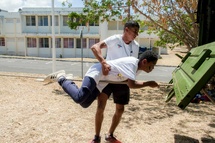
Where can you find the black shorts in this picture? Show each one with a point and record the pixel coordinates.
(121, 93)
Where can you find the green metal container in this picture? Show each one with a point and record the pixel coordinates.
(192, 74)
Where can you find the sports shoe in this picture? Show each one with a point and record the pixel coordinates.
(96, 140)
(111, 139)
(69, 76)
(53, 77)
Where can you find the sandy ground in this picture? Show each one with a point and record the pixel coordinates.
(32, 112)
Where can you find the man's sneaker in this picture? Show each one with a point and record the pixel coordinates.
(53, 77)
(111, 139)
(96, 139)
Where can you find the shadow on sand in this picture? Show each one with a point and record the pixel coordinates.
(186, 139)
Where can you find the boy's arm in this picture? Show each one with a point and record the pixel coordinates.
(96, 49)
(140, 84)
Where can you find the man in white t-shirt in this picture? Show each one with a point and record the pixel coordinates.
(122, 69)
(118, 46)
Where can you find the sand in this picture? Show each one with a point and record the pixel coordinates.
(32, 112)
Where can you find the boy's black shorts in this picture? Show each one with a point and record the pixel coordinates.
(121, 93)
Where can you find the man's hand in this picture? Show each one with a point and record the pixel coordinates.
(105, 68)
(152, 84)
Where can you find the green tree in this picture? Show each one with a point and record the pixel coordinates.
(173, 20)
(96, 10)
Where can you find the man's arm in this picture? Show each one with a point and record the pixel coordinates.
(96, 49)
(139, 84)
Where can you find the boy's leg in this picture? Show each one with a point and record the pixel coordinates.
(86, 103)
(85, 95)
(121, 98)
(102, 100)
(53, 77)
(89, 84)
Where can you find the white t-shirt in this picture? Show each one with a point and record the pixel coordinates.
(117, 48)
(121, 70)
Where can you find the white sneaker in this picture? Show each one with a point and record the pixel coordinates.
(53, 77)
(69, 76)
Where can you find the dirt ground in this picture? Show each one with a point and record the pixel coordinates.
(32, 112)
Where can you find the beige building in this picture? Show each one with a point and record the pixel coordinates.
(28, 32)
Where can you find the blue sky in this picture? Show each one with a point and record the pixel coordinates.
(14, 5)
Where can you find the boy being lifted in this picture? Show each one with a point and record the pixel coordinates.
(122, 69)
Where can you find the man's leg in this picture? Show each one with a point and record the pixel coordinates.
(99, 116)
(116, 118)
(121, 98)
(102, 100)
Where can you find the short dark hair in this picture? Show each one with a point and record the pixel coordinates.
(149, 55)
(131, 24)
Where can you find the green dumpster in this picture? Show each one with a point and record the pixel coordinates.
(192, 74)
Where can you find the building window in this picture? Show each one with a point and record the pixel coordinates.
(94, 23)
(97, 23)
(9, 20)
(144, 28)
(112, 25)
(2, 41)
(120, 25)
(57, 43)
(68, 42)
(81, 23)
(56, 23)
(18, 20)
(43, 20)
(30, 21)
(31, 42)
(92, 42)
(65, 19)
(44, 42)
(78, 43)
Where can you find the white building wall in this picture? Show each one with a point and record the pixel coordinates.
(13, 28)
(20, 46)
(10, 46)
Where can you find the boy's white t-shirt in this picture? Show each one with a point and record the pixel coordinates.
(121, 70)
(117, 48)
